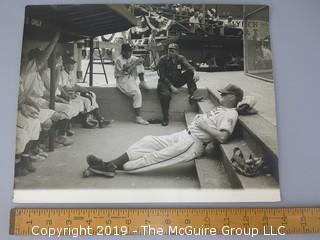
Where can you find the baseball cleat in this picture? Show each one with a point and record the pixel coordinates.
(95, 170)
(93, 160)
(99, 167)
(104, 123)
(141, 121)
(193, 99)
(165, 123)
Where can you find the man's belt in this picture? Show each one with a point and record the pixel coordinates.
(203, 143)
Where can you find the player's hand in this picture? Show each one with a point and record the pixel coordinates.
(196, 77)
(140, 60)
(201, 123)
(59, 63)
(174, 90)
(56, 37)
(61, 100)
(29, 111)
(66, 97)
(73, 95)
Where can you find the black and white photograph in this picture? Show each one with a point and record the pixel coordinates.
(146, 103)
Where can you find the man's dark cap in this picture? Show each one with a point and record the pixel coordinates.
(68, 60)
(34, 53)
(232, 89)
(126, 47)
(173, 46)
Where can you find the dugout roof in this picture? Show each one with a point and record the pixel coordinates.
(75, 21)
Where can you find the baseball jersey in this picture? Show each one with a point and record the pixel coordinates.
(68, 80)
(120, 62)
(45, 75)
(220, 118)
(31, 81)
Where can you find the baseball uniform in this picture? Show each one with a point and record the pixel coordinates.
(33, 87)
(69, 81)
(127, 83)
(178, 72)
(67, 108)
(153, 152)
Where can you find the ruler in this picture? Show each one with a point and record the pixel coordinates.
(164, 221)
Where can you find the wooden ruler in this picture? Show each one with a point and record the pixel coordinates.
(164, 221)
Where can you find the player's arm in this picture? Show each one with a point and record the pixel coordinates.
(32, 103)
(188, 67)
(219, 135)
(129, 67)
(78, 88)
(185, 64)
(43, 58)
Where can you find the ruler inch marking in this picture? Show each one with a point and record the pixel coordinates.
(296, 220)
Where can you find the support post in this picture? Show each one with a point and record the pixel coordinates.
(91, 62)
(53, 80)
(203, 22)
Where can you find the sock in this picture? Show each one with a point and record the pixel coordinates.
(118, 162)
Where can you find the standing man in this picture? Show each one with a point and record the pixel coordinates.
(153, 152)
(174, 72)
(194, 22)
(127, 69)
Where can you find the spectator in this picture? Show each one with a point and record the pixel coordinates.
(194, 22)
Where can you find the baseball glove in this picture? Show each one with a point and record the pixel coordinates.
(249, 167)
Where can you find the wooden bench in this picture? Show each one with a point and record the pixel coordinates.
(237, 180)
(210, 170)
(259, 134)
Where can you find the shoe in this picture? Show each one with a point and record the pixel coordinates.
(103, 123)
(193, 99)
(37, 158)
(27, 164)
(43, 153)
(165, 123)
(65, 141)
(143, 85)
(90, 124)
(43, 147)
(38, 151)
(98, 166)
(70, 132)
(140, 120)
(93, 160)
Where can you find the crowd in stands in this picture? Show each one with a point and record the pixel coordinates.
(197, 20)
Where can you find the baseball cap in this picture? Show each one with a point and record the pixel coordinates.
(34, 53)
(126, 47)
(173, 46)
(232, 89)
(68, 60)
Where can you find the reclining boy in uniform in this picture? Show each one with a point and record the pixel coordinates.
(153, 152)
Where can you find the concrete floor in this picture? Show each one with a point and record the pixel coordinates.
(63, 168)
(263, 91)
